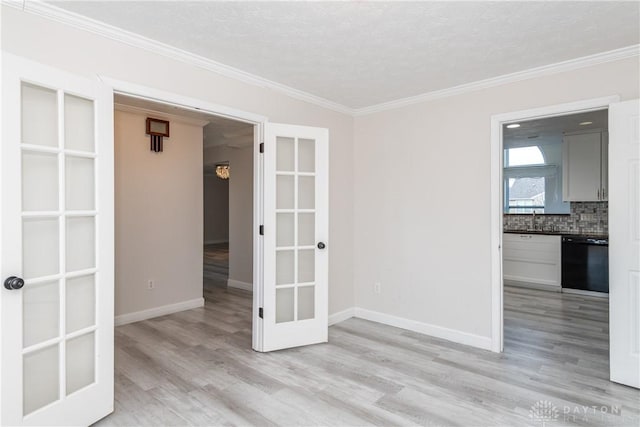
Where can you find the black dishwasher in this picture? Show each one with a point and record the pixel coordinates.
(585, 263)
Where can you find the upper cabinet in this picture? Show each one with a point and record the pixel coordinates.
(584, 167)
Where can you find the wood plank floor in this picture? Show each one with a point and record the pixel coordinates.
(197, 368)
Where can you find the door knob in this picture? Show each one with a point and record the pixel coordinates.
(13, 282)
(321, 245)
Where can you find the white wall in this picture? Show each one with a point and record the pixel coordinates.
(89, 54)
(422, 196)
(216, 209)
(158, 200)
(240, 208)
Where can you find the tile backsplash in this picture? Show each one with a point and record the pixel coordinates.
(585, 218)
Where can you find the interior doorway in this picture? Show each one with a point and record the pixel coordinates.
(540, 174)
(176, 246)
(555, 241)
(228, 204)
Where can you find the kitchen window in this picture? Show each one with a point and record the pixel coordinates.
(533, 180)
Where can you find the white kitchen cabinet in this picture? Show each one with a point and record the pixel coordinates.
(584, 167)
(532, 259)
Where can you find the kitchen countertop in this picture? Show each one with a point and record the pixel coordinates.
(558, 233)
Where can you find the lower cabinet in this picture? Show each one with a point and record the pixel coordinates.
(532, 259)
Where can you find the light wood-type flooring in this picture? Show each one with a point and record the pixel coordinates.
(197, 368)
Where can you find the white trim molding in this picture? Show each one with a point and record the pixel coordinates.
(52, 12)
(341, 316)
(495, 249)
(163, 310)
(545, 70)
(237, 284)
(436, 331)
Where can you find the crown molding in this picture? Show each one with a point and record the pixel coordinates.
(545, 70)
(47, 10)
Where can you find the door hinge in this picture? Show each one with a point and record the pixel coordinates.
(261, 313)
(262, 230)
(262, 147)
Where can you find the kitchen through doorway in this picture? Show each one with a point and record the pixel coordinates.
(555, 239)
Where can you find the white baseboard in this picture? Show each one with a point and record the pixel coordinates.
(212, 242)
(163, 310)
(341, 316)
(231, 283)
(425, 328)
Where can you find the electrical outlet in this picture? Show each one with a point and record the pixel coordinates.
(377, 288)
(151, 285)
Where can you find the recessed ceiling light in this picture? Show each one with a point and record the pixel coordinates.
(513, 125)
(585, 123)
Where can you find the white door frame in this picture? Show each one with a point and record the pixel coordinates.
(497, 122)
(258, 122)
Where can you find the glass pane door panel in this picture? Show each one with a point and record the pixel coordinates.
(284, 192)
(40, 312)
(78, 123)
(79, 183)
(284, 305)
(306, 155)
(39, 116)
(285, 229)
(306, 266)
(285, 267)
(40, 378)
(306, 229)
(81, 303)
(40, 247)
(306, 302)
(80, 243)
(39, 181)
(80, 362)
(285, 154)
(306, 192)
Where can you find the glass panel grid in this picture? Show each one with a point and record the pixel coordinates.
(295, 261)
(55, 243)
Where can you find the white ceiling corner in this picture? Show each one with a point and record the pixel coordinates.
(362, 57)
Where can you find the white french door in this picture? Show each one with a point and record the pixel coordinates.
(624, 242)
(295, 247)
(56, 258)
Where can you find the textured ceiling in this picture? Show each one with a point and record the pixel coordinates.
(360, 53)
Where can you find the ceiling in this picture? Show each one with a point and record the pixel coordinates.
(218, 131)
(359, 54)
(550, 130)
